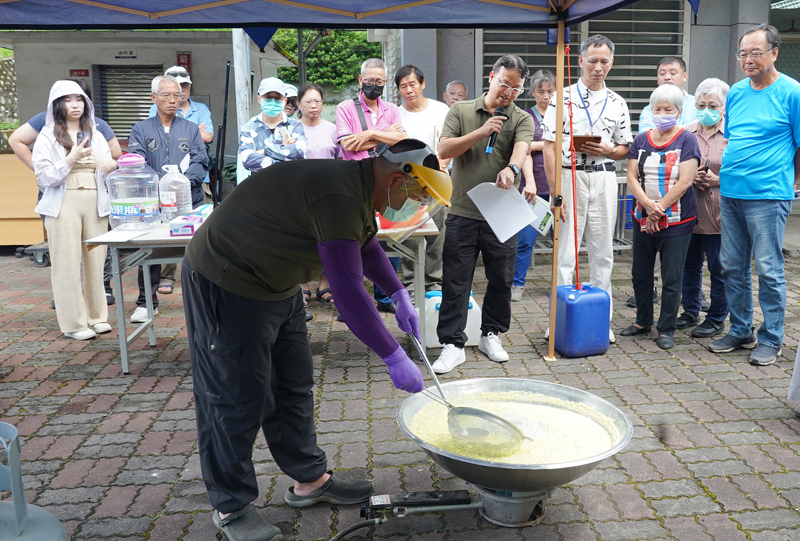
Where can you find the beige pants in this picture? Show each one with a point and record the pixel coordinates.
(77, 221)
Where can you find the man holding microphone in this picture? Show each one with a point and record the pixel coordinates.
(469, 128)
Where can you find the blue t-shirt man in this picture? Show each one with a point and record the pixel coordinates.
(198, 114)
(763, 132)
(38, 122)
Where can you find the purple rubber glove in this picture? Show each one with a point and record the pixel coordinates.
(404, 373)
(407, 316)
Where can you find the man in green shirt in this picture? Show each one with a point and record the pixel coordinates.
(465, 136)
(251, 361)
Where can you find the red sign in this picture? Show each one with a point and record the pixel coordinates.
(185, 61)
(78, 73)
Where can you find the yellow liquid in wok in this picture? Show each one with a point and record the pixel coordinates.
(573, 430)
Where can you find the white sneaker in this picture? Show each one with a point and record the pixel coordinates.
(611, 337)
(491, 346)
(140, 314)
(450, 357)
(516, 293)
(101, 328)
(86, 334)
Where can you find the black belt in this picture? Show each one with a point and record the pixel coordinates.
(596, 167)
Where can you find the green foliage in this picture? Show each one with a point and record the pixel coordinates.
(5, 53)
(336, 60)
(9, 125)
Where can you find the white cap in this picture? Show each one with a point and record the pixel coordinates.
(271, 84)
(291, 90)
(180, 74)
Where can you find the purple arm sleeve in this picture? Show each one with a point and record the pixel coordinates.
(378, 268)
(341, 260)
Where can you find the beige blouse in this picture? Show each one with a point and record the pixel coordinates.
(82, 175)
(711, 149)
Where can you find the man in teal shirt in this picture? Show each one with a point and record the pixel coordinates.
(757, 187)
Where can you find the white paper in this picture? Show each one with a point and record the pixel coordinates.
(506, 211)
(543, 217)
(185, 162)
(116, 235)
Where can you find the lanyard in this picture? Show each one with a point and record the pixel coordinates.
(586, 106)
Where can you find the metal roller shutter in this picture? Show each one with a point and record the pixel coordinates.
(125, 95)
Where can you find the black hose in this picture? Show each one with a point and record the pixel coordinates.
(357, 526)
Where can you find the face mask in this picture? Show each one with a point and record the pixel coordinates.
(271, 107)
(708, 117)
(406, 212)
(372, 92)
(664, 122)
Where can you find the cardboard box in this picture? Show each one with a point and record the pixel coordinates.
(185, 226)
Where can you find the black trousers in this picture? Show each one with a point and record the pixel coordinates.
(464, 239)
(673, 257)
(251, 369)
(155, 279)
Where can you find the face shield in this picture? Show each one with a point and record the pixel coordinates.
(424, 193)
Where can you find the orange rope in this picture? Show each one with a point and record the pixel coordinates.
(573, 163)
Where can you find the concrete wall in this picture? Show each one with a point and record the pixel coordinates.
(8, 90)
(419, 48)
(456, 59)
(44, 57)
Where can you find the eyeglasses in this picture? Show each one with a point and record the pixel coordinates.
(167, 95)
(182, 73)
(377, 82)
(504, 88)
(711, 106)
(755, 55)
(311, 102)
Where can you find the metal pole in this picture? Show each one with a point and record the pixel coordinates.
(241, 72)
(301, 58)
(551, 346)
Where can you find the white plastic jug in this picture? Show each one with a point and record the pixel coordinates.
(433, 301)
(175, 193)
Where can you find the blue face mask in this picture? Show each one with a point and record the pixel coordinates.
(406, 212)
(271, 107)
(708, 117)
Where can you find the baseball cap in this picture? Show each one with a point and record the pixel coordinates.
(291, 91)
(180, 74)
(271, 84)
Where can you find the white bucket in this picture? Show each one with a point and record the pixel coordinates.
(433, 301)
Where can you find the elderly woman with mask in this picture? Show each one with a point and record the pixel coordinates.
(709, 130)
(662, 164)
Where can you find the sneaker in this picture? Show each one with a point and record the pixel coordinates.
(246, 523)
(764, 355)
(450, 357)
(708, 328)
(491, 346)
(687, 319)
(109, 295)
(516, 293)
(101, 327)
(705, 304)
(87, 334)
(140, 314)
(729, 343)
(631, 303)
(611, 338)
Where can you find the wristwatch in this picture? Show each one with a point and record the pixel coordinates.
(513, 168)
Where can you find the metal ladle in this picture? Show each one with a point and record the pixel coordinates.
(478, 428)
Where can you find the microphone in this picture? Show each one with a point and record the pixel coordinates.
(500, 111)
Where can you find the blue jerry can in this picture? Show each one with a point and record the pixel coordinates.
(582, 320)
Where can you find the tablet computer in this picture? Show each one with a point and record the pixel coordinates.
(581, 139)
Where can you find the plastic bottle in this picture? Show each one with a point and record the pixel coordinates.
(133, 189)
(176, 194)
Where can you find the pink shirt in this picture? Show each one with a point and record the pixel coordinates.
(349, 123)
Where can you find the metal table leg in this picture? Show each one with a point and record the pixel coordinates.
(123, 336)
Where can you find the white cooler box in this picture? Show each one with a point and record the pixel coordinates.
(433, 300)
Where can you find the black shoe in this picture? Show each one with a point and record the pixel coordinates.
(633, 330)
(387, 307)
(707, 329)
(109, 295)
(705, 304)
(687, 320)
(665, 342)
(309, 316)
(631, 302)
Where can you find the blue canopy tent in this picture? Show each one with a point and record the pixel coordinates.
(144, 14)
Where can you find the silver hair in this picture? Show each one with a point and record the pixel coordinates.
(372, 63)
(454, 82)
(598, 40)
(541, 77)
(667, 93)
(158, 79)
(713, 87)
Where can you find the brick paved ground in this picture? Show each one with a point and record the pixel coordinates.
(715, 453)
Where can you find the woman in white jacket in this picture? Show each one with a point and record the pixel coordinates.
(76, 207)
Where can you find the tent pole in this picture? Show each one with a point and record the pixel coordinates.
(242, 86)
(551, 346)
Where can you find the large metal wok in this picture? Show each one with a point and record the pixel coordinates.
(516, 477)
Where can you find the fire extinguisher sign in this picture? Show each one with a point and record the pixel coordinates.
(185, 61)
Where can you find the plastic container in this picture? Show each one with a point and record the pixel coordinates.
(582, 320)
(629, 204)
(414, 220)
(134, 194)
(433, 301)
(175, 192)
